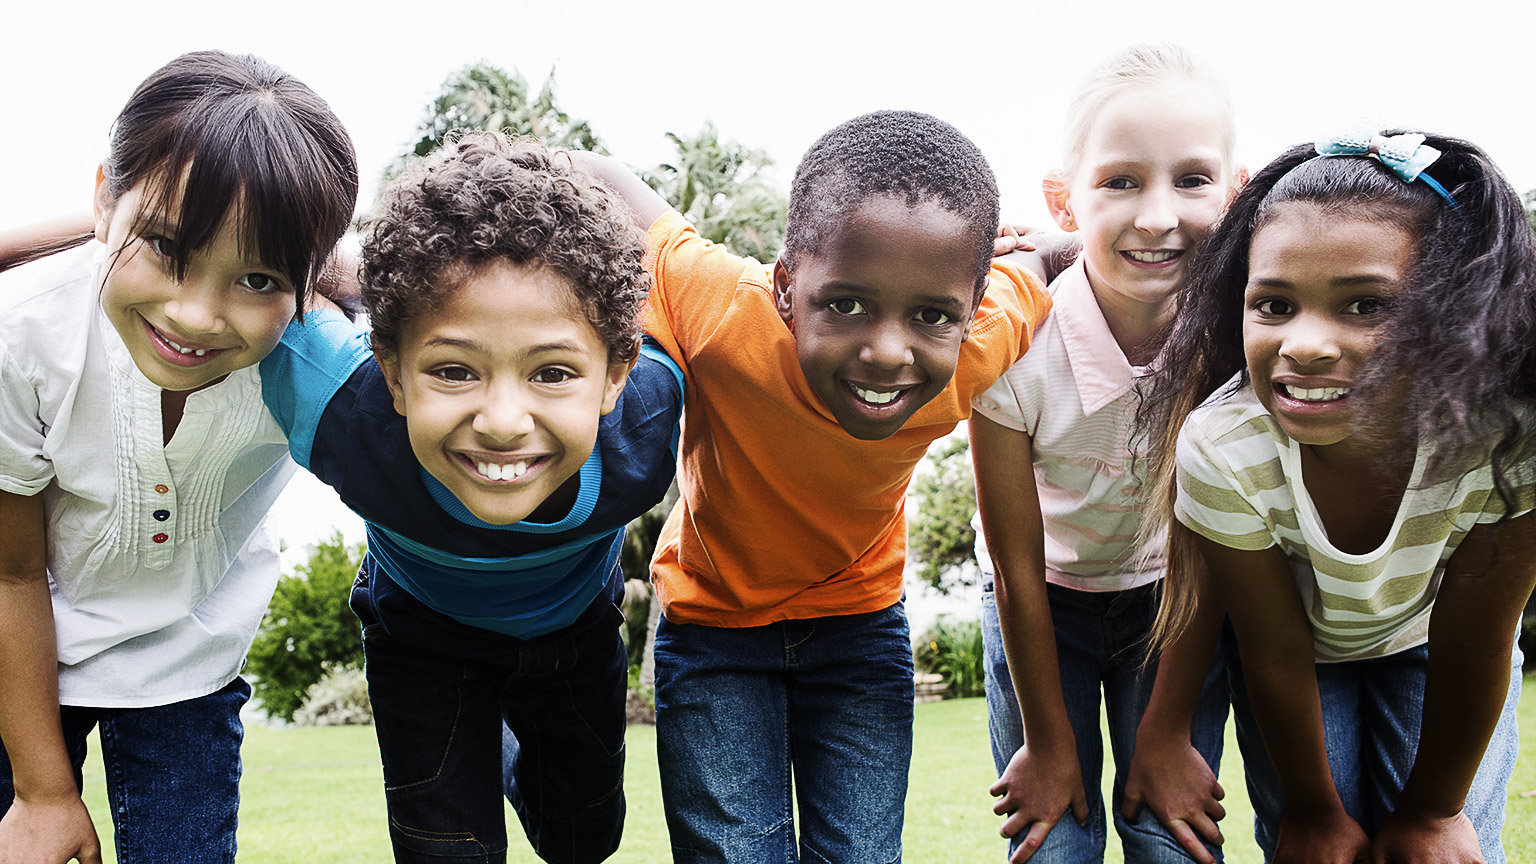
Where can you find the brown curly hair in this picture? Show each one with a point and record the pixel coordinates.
(483, 197)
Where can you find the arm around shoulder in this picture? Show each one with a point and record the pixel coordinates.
(642, 199)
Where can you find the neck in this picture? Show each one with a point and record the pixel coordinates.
(1135, 325)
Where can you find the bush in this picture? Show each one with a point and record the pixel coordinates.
(340, 698)
(307, 629)
(953, 649)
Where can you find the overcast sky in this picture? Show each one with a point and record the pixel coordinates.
(774, 75)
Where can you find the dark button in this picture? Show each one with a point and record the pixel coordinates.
(161, 537)
(162, 515)
(162, 488)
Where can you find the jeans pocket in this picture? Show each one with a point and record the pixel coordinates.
(360, 601)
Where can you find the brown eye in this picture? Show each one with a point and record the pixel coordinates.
(846, 306)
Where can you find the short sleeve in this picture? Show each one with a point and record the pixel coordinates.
(302, 374)
(24, 470)
(1210, 501)
(1001, 404)
(693, 283)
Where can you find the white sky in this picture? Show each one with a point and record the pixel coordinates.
(772, 75)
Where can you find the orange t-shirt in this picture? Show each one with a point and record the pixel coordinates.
(783, 514)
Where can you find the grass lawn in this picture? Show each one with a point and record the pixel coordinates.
(315, 795)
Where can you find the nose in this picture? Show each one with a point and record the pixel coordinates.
(1309, 341)
(887, 346)
(1156, 216)
(197, 308)
(504, 415)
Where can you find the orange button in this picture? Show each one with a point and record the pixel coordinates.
(161, 538)
(162, 488)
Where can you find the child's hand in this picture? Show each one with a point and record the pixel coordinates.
(1037, 787)
(1172, 780)
(1330, 837)
(1405, 839)
(1012, 238)
(51, 832)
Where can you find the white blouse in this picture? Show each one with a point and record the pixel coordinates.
(158, 563)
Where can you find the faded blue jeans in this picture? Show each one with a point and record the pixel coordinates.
(1371, 715)
(173, 774)
(1099, 647)
(820, 706)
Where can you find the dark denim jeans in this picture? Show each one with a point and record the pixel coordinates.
(1372, 710)
(819, 707)
(1100, 640)
(465, 715)
(173, 774)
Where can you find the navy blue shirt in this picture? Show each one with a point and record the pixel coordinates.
(524, 579)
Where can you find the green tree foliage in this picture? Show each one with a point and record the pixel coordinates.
(719, 186)
(941, 538)
(308, 628)
(484, 97)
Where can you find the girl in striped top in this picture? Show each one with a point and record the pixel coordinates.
(1358, 476)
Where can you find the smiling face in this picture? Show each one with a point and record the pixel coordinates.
(1319, 285)
(229, 312)
(880, 311)
(502, 386)
(1151, 180)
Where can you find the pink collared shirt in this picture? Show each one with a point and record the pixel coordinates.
(1074, 393)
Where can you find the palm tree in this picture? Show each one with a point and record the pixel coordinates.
(719, 186)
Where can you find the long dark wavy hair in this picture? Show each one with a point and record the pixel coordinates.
(1455, 361)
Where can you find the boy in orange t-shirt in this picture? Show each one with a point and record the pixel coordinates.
(814, 387)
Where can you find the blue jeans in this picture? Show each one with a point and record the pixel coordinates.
(173, 774)
(1371, 715)
(820, 706)
(465, 715)
(1100, 642)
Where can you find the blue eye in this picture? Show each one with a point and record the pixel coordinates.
(1119, 183)
(846, 306)
(1193, 182)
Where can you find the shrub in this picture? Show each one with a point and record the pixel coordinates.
(340, 698)
(307, 629)
(953, 649)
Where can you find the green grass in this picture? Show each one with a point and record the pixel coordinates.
(316, 795)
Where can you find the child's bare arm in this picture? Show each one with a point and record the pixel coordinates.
(642, 199)
(1471, 635)
(48, 821)
(1044, 779)
(1258, 590)
(1167, 773)
(17, 243)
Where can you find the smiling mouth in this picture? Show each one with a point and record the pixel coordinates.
(1313, 394)
(503, 472)
(177, 353)
(879, 399)
(1155, 257)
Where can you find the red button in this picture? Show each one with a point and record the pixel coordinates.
(162, 488)
(161, 538)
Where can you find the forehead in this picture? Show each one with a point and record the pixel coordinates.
(886, 248)
(1303, 243)
(1169, 120)
(506, 307)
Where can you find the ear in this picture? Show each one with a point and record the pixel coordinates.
(783, 293)
(1239, 180)
(101, 203)
(389, 363)
(1058, 199)
(618, 374)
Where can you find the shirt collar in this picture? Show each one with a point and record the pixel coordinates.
(1099, 367)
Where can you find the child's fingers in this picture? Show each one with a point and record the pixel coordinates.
(1080, 807)
(1032, 842)
(1185, 835)
(1218, 793)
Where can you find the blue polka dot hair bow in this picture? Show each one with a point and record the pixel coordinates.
(1407, 155)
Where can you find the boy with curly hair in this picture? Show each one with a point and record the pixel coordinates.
(500, 430)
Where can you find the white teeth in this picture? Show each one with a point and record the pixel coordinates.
(201, 352)
(1315, 394)
(497, 471)
(876, 397)
(1153, 257)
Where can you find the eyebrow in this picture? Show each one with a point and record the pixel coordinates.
(473, 345)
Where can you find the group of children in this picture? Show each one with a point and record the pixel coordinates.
(1257, 446)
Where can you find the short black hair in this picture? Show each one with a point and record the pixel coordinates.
(901, 154)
